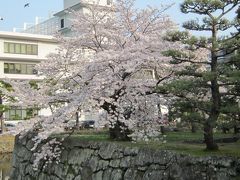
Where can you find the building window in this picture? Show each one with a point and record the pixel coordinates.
(17, 68)
(23, 49)
(19, 48)
(18, 113)
(62, 23)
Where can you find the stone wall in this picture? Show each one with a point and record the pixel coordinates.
(84, 160)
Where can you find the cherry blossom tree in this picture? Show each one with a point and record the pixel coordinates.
(4, 90)
(112, 62)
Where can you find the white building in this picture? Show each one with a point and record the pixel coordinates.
(19, 53)
(62, 20)
(48, 27)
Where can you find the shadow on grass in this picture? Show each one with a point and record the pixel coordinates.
(175, 141)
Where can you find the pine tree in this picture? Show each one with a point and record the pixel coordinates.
(230, 78)
(198, 83)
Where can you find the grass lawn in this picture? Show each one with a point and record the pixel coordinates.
(189, 136)
(174, 142)
(6, 143)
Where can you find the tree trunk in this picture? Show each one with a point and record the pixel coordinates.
(208, 137)
(1, 116)
(162, 129)
(236, 129)
(119, 132)
(237, 124)
(77, 120)
(2, 123)
(193, 127)
(215, 94)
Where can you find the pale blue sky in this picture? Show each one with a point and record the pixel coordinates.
(15, 14)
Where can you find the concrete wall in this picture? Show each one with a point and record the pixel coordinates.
(84, 160)
(70, 3)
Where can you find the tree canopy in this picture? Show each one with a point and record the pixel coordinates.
(203, 86)
(110, 64)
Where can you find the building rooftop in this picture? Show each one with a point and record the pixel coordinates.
(27, 36)
(65, 11)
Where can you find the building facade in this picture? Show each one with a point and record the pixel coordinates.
(62, 20)
(48, 27)
(19, 53)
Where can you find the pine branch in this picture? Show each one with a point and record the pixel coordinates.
(164, 78)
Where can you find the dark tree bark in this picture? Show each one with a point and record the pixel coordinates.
(77, 120)
(215, 95)
(1, 117)
(119, 132)
(193, 127)
(237, 125)
(236, 130)
(208, 137)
